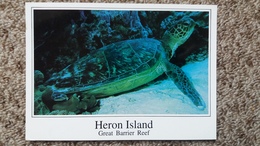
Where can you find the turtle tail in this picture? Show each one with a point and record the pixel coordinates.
(185, 85)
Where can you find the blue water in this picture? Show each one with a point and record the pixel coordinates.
(161, 98)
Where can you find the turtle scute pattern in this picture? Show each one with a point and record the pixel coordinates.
(110, 63)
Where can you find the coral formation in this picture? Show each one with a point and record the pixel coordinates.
(92, 103)
(73, 105)
(46, 98)
(39, 107)
(38, 77)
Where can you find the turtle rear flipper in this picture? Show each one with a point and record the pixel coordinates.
(185, 85)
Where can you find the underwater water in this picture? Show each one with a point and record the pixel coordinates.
(62, 38)
(161, 98)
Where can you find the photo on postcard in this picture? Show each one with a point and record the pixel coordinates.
(95, 62)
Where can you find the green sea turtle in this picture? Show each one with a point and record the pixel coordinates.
(125, 65)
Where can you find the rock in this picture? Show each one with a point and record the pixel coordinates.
(38, 77)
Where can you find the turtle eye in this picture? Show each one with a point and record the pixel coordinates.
(186, 23)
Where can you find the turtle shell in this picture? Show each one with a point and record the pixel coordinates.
(112, 69)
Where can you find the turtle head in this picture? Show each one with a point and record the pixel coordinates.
(177, 34)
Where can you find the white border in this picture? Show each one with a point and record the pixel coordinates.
(165, 127)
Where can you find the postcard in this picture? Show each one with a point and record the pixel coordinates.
(120, 71)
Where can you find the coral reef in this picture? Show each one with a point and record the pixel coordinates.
(76, 104)
(39, 107)
(38, 77)
(92, 103)
(44, 104)
(73, 105)
(46, 98)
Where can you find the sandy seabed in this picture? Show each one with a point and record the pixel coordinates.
(161, 97)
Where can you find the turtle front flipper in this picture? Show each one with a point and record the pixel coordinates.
(185, 85)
